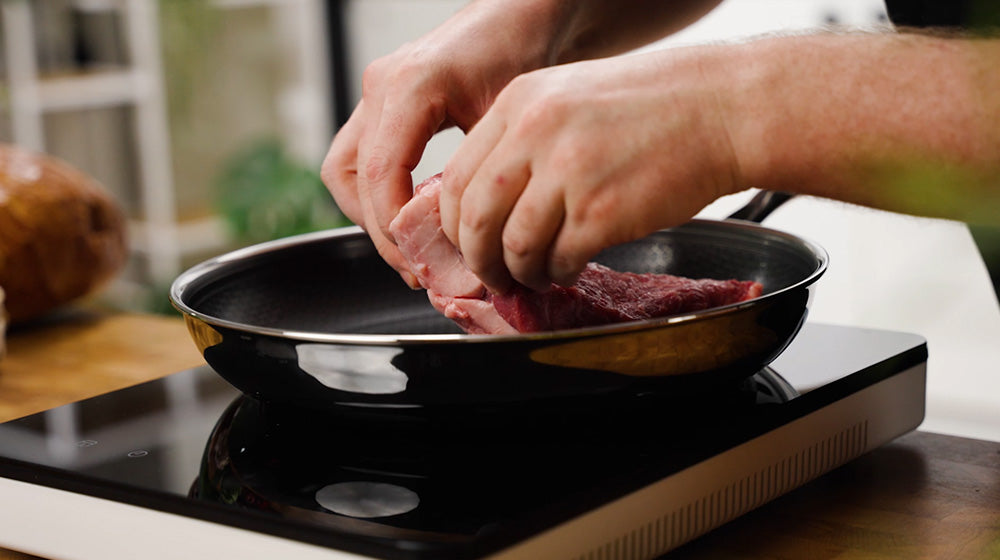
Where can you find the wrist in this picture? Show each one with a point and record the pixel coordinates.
(801, 112)
(531, 31)
(753, 105)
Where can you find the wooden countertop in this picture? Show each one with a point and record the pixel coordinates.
(923, 496)
(81, 353)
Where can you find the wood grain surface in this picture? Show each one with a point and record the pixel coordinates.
(923, 496)
(79, 353)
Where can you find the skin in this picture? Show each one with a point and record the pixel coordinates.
(536, 190)
(563, 161)
(451, 76)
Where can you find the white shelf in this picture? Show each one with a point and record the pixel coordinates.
(192, 236)
(92, 90)
(159, 234)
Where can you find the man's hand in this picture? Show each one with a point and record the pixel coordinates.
(449, 77)
(576, 158)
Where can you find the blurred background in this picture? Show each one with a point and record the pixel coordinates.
(208, 120)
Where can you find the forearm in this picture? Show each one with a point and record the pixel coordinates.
(900, 122)
(598, 28)
(548, 32)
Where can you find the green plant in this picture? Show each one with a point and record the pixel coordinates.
(264, 194)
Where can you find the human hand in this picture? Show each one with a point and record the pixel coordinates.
(576, 158)
(449, 77)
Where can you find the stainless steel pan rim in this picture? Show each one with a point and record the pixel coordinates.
(183, 281)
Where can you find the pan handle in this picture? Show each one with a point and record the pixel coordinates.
(761, 206)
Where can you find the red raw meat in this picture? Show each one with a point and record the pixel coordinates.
(600, 296)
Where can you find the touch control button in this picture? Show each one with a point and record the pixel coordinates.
(138, 453)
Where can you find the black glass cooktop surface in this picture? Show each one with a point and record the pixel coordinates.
(443, 483)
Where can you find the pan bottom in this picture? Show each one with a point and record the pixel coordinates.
(526, 416)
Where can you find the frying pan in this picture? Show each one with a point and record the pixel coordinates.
(319, 320)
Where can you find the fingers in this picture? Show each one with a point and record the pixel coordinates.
(390, 253)
(339, 171)
(481, 184)
(340, 175)
(514, 227)
(572, 248)
(530, 232)
(501, 217)
(486, 205)
(405, 126)
(462, 167)
(367, 168)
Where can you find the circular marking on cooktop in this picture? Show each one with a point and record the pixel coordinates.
(367, 499)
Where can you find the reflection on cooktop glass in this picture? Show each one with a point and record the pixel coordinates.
(444, 478)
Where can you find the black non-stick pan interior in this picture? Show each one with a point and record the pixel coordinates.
(338, 284)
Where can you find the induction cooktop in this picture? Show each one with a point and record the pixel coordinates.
(187, 467)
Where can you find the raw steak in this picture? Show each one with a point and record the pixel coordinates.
(435, 262)
(600, 296)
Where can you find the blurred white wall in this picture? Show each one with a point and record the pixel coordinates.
(887, 271)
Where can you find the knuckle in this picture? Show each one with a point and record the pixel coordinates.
(450, 182)
(378, 164)
(572, 154)
(474, 220)
(409, 69)
(514, 88)
(523, 92)
(343, 189)
(544, 118)
(401, 70)
(536, 120)
(527, 84)
(373, 75)
(339, 164)
(330, 174)
(596, 208)
(517, 246)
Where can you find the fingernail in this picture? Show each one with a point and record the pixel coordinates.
(410, 280)
(388, 235)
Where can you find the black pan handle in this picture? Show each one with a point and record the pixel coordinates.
(761, 206)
